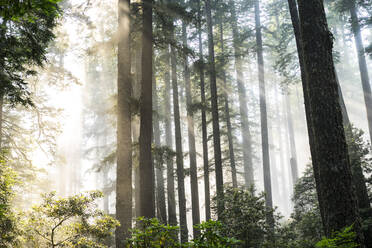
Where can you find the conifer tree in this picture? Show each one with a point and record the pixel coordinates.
(124, 140)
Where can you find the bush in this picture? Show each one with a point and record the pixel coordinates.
(68, 222)
(244, 216)
(211, 235)
(150, 233)
(343, 239)
(8, 221)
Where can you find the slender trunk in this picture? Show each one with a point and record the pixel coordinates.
(287, 154)
(135, 138)
(158, 163)
(247, 147)
(214, 104)
(172, 217)
(284, 183)
(191, 136)
(273, 165)
(345, 116)
(339, 208)
(204, 120)
(136, 93)
(359, 180)
(146, 169)
(124, 141)
(362, 64)
(227, 112)
(106, 200)
(356, 168)
(292, 142)
(264, 131)
(179, 153)
(1, 118)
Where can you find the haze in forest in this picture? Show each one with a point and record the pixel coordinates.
(187, 111)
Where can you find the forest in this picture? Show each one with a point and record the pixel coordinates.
(185, 123)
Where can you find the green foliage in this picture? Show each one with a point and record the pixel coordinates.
(343, 239)
(8, 220)
(306, 217)
(244, 216)
(151, 233)
(359, 151)
(212, 235)
(26, 28)
(16, 9)
(68, 222)
(307, 222)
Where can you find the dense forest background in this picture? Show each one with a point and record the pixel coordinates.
(252, 117)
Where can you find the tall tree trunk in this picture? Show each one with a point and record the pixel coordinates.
(273, 164)
(264, 131)
(124, 140)
(292, 4)
(345, 115)
(214, 104)
(1, 118)
(362, 64)
(179, 153)
(158, 158)
(292, 142)
(146, 169)
(136, 94)
(284, 183)
(247, 147)
(172, 217)
(329, 149)
(191, 136)
(227, 111)
(106, 200)
(204, 120)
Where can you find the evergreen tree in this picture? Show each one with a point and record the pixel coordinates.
(328, 146)
(146, 169)
(214, 105)
(124, 139)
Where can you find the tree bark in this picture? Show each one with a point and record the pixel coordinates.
(292, 141)
(247, 147)
(214, 104)
(204, 120)
(136, 94)
(1, 118)
(191, 136)
(172, 217)
(146, 169)
(179, 153)
(284, 184)
(227, 112)
(296, 28)
(263, 111)
(124, 141)
(329, 149)
(362, 64)
(158, 160)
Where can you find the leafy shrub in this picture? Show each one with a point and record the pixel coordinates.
(244, 216)
(343, 239)
(68, 222)
(211, 235)
(150, 233)
(8, 220)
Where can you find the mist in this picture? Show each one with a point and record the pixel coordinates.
(216, 89)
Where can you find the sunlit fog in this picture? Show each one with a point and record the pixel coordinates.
(249, 117)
